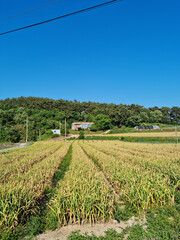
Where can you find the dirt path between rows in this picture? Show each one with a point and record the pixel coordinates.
(98, 229)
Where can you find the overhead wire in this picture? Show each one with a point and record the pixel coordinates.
(62, 16)
(31, 10)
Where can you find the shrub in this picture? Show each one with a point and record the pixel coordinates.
(93, 128)
(63, 131)
(55, 135)
(81, 135)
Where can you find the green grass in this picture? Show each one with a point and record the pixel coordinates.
(45, 136)
(86, 131)
(133, 139)
(1, 148)
(109, 235)
(102, 138)
(123, 129)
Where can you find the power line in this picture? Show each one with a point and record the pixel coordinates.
(63, 16)
(31, 10)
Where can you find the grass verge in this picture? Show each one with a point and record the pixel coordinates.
(155, 140)
(148, 139)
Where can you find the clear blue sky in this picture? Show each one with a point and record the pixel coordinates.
(128, 52)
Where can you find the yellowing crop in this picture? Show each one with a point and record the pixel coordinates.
(149, 134)
(144, 175)
(24, 179)
(84, 195)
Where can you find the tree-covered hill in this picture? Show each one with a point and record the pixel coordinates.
(44, 114)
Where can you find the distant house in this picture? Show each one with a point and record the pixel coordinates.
(56, 131)
(151, 127)
(81, 125)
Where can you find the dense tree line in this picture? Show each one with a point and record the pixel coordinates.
(44, 114)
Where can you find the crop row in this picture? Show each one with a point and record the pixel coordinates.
(140, 186)
(8, 157)
(166, 163)
(21, 163)
(83, 195)
(149, 134)
(171, 151)
(18, 198)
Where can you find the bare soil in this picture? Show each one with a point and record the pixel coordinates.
(98, 229)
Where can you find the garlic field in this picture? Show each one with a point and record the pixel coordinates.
(88, 185)
(172, 134)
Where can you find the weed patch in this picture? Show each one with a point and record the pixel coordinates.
(109, 235)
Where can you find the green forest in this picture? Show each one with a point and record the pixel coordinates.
(45, 114)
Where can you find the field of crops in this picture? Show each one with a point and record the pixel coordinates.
(149, 134)
(99, 175)
(24, 176)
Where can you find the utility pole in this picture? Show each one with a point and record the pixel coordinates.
(27, 129)
(60, 127)
(65, 131)
(39, 134)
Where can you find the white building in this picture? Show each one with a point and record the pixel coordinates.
(81, 125)
(56, 131)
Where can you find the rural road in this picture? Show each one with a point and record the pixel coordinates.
(21, 145)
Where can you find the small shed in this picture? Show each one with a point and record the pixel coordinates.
(56, 131)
